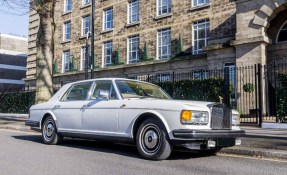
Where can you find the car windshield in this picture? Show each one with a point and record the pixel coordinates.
(134, 89)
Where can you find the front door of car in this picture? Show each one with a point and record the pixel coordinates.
(69, 109)
(101, 113)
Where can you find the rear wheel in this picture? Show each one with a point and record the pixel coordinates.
(152, 140)
(49, 132)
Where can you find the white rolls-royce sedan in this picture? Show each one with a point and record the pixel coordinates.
(124, 110)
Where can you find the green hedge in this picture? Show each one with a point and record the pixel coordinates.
(281, 93)
(203, 90)
(18, 102)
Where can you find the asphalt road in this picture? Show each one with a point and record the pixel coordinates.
(24, 153)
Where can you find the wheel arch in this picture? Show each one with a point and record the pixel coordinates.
(146, 115)
(47, 114)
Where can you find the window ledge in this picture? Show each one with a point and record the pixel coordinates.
(67, 72)
(83, 37)
(163, 16)
(199, 7)
(66, 13)
(107, 31)
(65, 42)
(158, 58)
(133, 24)
(85, 6)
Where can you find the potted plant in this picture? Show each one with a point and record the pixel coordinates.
(249, 88)
(145, 56)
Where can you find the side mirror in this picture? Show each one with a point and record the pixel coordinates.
(104, 94)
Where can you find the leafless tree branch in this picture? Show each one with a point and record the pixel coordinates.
(15, 7)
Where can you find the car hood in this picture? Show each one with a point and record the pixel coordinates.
(168, 104)
(195, 103)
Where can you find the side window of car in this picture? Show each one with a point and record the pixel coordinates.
(104, 87)
(125, 88)
(78, 92)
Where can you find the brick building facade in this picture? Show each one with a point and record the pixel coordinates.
(13, 60)
(213, 33)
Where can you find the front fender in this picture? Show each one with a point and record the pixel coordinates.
(159, 116)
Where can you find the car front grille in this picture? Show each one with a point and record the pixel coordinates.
(220, 116)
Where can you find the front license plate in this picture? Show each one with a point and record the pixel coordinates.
(225, 142)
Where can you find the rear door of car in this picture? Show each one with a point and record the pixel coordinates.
(69, 109)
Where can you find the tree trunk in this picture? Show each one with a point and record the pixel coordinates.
(45, 55)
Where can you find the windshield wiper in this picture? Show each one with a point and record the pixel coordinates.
(144, 97)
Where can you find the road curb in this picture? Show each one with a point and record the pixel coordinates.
(255, 152)
(14, 115)
(13, 128)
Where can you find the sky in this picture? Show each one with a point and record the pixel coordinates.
(14, 24)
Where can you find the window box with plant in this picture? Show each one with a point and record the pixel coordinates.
(145, 56)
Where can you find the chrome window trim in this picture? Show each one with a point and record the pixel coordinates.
(94, 86)
(62, 99)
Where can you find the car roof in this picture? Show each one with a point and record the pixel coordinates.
(112, 79)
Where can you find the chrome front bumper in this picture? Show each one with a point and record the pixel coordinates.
(207, 134)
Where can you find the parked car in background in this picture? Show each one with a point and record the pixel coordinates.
(123, 110)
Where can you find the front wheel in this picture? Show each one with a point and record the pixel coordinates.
(152, 140)
(49, 132)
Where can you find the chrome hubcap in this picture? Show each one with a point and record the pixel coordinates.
(150, 139)
(49, 130)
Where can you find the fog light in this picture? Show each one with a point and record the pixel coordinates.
(237, 142)
(211, 143)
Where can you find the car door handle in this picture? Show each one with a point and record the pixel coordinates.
(57, 106)
(124, 105)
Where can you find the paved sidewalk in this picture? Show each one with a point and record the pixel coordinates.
(258, 142)
(275, 139)
(14, 122)
(262, 143)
